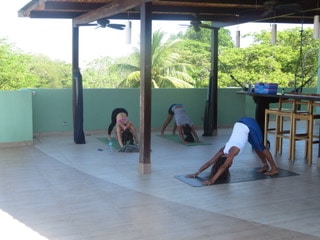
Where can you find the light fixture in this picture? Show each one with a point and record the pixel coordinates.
(238, 33)
(128, 32)
(273, 33)
(238, 38)
(316, 27)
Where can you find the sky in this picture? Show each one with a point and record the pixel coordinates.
(53, 37)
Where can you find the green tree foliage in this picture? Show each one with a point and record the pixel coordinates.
(195, 49)
(168, 69)
(197, 55)
(252, 64)
(106, 72)
(98, 74)
(290, 63)
(12, 68)
(182, 61)
(20, 70)
(204, 36)
(48, 73)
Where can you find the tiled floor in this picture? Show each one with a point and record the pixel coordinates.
(58, 190)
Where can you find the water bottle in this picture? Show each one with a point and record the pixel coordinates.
(110, 146)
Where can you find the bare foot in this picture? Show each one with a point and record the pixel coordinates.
(271, 172)
(263, 169)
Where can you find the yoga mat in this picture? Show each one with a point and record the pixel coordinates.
(236, 175)
(176, 138)
(115, 143)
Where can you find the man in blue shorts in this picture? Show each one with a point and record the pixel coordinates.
(244, 130)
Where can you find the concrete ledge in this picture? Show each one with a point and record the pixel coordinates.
(16, 144)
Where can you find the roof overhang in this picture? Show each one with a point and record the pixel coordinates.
(221, 13)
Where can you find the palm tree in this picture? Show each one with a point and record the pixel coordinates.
(167, 70)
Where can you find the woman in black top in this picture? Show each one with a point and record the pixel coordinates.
(114, 114)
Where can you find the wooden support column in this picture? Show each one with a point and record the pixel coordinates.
(318, 91)
(211, 108)
(77, 91)
(145, 88)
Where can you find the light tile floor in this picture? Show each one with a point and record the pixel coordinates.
(59, 190)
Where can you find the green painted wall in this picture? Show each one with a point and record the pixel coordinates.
(52, 110)
(16, 117)
(53, 107)
(25, 113)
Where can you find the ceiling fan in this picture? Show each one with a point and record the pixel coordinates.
(104, 22)
(273, 7)
(197, 24)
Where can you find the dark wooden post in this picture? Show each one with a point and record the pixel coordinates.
(211, 108)
(77, 91)
(145, 89)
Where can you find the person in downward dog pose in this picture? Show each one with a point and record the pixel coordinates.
(183, 124)
(113, 123)
(244, 130)
(125, 130)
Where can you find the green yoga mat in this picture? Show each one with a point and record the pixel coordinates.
(176, 138)
(115, 142)
(236, 175)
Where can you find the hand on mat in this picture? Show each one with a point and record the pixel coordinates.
(194, 175)
(207, 182)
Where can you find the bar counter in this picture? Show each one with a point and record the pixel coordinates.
(263, 101)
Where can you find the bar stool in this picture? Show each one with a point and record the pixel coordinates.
(308, 135)
(284, 110)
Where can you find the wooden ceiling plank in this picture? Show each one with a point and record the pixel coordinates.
(224, 13)
(108, 10)
(73, 6)
(54, 14)
(212, 5)
(31, 6)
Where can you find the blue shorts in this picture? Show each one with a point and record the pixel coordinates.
(255, 137)
(170, 110)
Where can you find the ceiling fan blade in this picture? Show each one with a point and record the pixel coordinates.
(203, 25)
(87, 24)
(116, 26)
(276, 7)
(292, 7)
(197, 24)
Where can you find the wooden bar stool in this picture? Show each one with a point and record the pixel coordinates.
(307, 134)
(284, 110)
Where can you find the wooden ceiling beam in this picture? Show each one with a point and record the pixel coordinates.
(31, 6)
(221, 13)
(107, 10)
(75, 6)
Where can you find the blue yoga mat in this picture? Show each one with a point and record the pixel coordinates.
(236, 175)
(115, 142)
